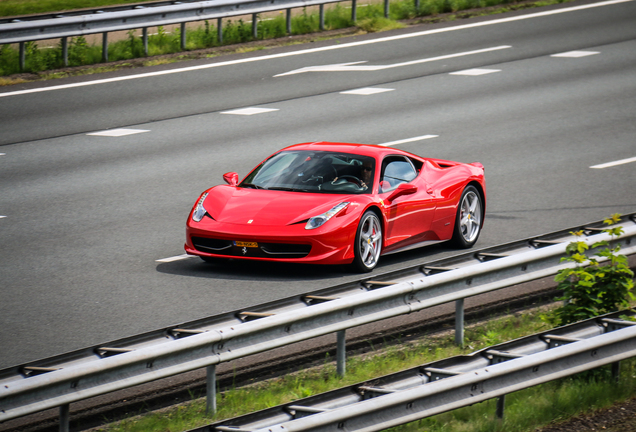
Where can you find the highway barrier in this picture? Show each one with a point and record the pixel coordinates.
(153, 14)
(71, 377)
(452, 383)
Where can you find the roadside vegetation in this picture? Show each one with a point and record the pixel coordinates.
(606, 285)
(370, 18)
(525, 410)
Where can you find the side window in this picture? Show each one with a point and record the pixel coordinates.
(396, 170)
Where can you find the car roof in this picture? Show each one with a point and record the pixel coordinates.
(361, 149)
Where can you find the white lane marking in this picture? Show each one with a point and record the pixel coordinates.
(614, 163)
(175, 258)
(2, 217)
(408, 140)
(118, 132)
(314, 50)
(575, 54)
(367, 91)
(475, 72)
(355, 66)
(249, 111)
(3, 154)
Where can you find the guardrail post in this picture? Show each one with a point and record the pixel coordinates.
(210, 390)
(341, 354)
(459, 322)
(144, 38)
(22, 57)
(219, 30)
(353, 11)
(616, 371)
(254, 26)
(322, 17)
(65, 51)
(501, 404)
(288, 19)
(386, 8)
(65, 418)
(105, 47)
(183, 36)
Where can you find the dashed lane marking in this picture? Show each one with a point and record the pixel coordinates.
(249, 111)
(408, 140)
(118, 132)
(475, 72)
(614, 163)
(575, 54)
(367, 91)
(175, 258)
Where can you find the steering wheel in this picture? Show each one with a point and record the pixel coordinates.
(352, 179)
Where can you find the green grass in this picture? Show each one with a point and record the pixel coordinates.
(525, 410)
(371, 18)
(30, 7)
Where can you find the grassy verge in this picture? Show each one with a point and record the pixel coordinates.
(9, 8)
(47, 62)
(525, 410)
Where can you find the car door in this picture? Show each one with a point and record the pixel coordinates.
(407, 206)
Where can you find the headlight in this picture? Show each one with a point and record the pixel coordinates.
(199, 210)
(319, 220)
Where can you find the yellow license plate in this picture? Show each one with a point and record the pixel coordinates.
(245, 244)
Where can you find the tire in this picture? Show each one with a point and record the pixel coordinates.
(368, 243)
(469, 218)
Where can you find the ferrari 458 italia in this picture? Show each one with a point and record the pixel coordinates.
(336, 203)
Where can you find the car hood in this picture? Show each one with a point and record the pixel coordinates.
(235, 205)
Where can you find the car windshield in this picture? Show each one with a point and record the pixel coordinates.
(314, 171)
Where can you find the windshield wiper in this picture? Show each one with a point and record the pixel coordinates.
(288, 189)
(252, 185)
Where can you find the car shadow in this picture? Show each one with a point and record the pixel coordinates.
(233, 269)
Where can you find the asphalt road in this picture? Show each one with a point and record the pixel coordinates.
(85, 218)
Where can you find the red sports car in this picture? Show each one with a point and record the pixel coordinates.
(335, 203)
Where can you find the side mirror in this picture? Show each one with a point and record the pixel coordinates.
(231, 178)
(402, 189)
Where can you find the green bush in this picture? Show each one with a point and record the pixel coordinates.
(591, 289)
(8, 60)
(81, 53)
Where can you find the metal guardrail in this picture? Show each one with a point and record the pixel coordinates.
(63, 26)
(67, 26)
(61, 380)
(93, 10)
(451, 383)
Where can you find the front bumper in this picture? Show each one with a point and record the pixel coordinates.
(291, 243)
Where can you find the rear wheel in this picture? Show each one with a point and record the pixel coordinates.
(469, 218)
(368, 243)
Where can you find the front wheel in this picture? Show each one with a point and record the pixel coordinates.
(368, 243)
(468, 221)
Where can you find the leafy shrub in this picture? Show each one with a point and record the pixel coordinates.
(80, 53)
(337, 17)
(238, 32)
(8, 60)
(591, 289)
(305, 23)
